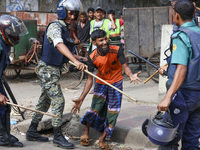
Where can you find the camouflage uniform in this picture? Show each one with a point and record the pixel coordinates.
(49, 76)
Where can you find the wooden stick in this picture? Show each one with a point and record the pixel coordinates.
(41, 112)
(150, 77)
(105, 82)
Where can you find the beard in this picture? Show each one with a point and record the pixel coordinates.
(103, 51)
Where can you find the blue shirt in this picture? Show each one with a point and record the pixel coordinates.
(182, 50)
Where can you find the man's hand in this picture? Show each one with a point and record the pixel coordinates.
(134, 78)
(110, 16)
(164, 104)
(76, 106)
(80, 66)
(3, 99)
(77, 41)
(162, 69)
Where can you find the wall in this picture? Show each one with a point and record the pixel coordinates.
(18, 5)
(142, 29)
(165, 43)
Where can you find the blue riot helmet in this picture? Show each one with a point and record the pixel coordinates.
(11, 28)
(65, 5)
(160, 130)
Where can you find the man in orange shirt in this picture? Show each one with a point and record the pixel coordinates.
(106, 102)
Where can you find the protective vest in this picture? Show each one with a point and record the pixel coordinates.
(117, 31)
(192, 79)
(103, 27)
(4, 56)
(51, 55)
(109, 67)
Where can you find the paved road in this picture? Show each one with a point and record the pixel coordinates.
(131, 116)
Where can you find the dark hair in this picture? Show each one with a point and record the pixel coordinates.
(185, 9)
(83, 13)
(97, 34)
(90, 9)
(104, 11)
(111, 12)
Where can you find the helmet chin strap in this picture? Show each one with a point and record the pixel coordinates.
(6, 39)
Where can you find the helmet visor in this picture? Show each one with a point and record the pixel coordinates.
(16, 29)
(160, 133)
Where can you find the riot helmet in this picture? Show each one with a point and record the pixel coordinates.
(160, 130)
(11, 28)
(65, 5)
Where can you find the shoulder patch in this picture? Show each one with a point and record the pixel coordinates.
(174, 47)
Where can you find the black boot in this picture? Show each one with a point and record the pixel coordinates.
(14, 142)
(7, 139)
(59, 139)
(4, 138)
(33, 135)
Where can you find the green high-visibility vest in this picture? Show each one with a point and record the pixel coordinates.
(104, 26)
(117, 31)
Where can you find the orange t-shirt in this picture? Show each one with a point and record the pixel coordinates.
(109, 66)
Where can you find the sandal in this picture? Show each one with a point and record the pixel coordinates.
(85, 140)
(104, 146)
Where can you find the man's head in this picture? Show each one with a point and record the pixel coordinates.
(101, 41)
(11, 28)
(90, 13)
(112, 13)
(83, 17)
(98, 13)
(121, 16)
(68, 10)
(183, 12)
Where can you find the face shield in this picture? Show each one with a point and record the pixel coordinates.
(12, 29)
(13, 26)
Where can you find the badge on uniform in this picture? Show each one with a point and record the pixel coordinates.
(174, 47)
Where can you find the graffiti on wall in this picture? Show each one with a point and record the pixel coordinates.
(18, 5)
(15, 5)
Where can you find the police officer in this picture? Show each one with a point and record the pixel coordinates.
(182, 97)
(57, 50)
(11, 28)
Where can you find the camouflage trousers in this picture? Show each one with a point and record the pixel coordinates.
(51, 94)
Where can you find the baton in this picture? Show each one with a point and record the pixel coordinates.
(4, 81)
(41, 112)
(164, 72)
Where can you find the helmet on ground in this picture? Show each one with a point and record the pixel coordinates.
(159, 129)
(65, 5)
(11, 28)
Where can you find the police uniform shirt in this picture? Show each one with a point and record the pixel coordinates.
(182, 52)
(54, 32)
